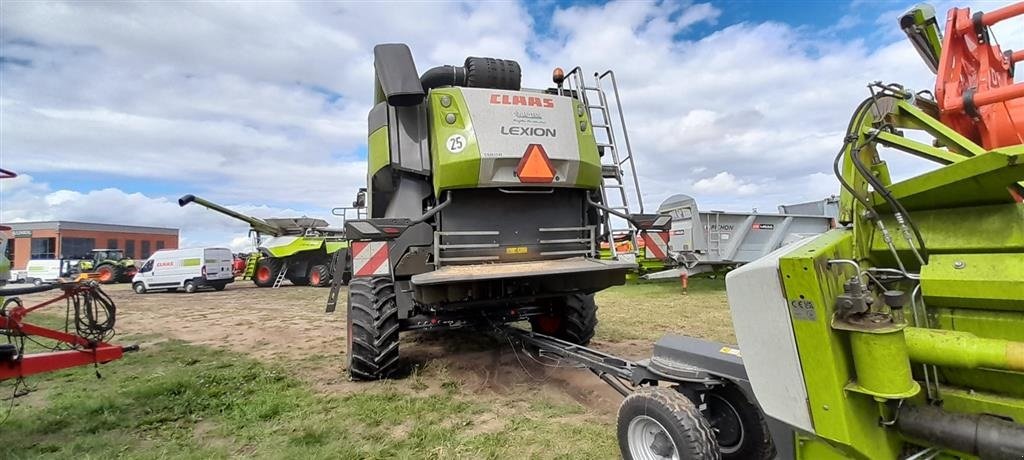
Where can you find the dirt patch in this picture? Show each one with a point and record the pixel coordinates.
(288, 326)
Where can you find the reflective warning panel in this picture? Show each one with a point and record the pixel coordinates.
(535, 167)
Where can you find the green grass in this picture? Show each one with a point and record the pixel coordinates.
(175, 400)
(646, 311)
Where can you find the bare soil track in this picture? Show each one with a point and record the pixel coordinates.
(288, 327)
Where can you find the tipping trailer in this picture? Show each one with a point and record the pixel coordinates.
(486, 203)
(702, 241)
(299, 249)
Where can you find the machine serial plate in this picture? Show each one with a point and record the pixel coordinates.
(803, 309)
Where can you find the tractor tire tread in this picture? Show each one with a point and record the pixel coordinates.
(275, 266)
(374, 329)
(675, 410)
(580, 319)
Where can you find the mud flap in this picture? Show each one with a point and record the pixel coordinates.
(337, 271)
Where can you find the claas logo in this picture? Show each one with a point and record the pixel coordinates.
(535, 167)
(525, 101)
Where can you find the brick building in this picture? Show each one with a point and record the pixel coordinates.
(63, 239)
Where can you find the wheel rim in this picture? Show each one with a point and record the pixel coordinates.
(649, 440)
(138, 288)
(105, 274)
(725, 421)
(314, 279)
(263, 274)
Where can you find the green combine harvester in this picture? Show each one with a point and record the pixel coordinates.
(486, 203)
(300, 249)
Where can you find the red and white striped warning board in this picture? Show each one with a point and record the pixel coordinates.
(655, 245)
(370, 258)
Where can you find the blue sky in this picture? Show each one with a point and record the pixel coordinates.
(110, 111)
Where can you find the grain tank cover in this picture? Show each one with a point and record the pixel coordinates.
(507, 123)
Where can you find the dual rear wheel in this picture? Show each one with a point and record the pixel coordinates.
(721, 422)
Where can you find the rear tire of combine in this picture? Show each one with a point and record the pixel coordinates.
(372, 329)
(574, 321)
(319, 276)
(108, 274)
(266, 271)
(658, 422)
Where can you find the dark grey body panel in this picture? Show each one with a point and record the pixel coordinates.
(396, 74)
(710, 357)
(517, 217)
(408, 139)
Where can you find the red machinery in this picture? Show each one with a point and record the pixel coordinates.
(93, 322)
(90, 314)
(974, 85)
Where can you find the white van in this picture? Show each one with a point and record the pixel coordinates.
(190, 269)
(39, 271)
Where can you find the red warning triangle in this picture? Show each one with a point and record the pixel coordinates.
(535, 167)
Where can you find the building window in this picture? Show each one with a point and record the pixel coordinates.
(76, 248)
(111, 243)
(145, 249)
(44, 248)
(159, 245)
(129, 249)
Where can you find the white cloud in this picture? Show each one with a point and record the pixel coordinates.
(267, 103)
(725, 183)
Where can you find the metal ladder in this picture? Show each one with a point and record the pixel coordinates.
(280, 276)
(250, 267)
(714, 234)
(616, 162)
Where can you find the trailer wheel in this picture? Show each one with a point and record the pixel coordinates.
(319, 276)
(266, 271)
(738, 424)
(656, 423)
(372, 337)
(573, 321)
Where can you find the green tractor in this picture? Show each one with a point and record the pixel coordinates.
(486, 203)
(297, 249)
(109, 265)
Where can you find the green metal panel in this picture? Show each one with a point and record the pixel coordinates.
(991, 281)
(334, 246)
(808, 448)
(452, 170)
(589, 175)
(296, 246)
(378, 153)
(978, 229)
(977, 181)
(849, 420)
(977, 402)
